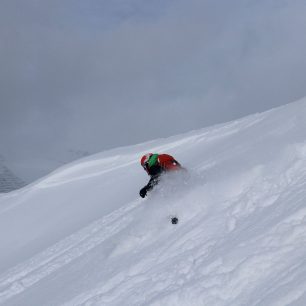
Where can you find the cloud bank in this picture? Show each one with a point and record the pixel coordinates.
(94, 75)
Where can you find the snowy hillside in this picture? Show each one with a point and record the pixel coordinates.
(82, 235)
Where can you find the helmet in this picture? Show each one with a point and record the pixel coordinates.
(145, 159)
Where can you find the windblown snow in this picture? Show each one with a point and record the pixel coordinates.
(82, 235)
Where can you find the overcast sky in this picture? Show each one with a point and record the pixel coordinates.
(96, 74)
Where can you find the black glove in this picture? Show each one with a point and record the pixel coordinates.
(143, 192)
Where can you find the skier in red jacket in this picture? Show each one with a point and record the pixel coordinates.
(155, 165)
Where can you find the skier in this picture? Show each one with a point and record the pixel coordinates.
(155, 165)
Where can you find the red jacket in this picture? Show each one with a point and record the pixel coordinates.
(163, 163)
(168, 163)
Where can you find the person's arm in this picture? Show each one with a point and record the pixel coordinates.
(152, 182)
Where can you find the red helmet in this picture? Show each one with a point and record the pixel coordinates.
(144, 160)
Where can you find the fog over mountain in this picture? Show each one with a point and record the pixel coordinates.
(8, 180)
(92, 75)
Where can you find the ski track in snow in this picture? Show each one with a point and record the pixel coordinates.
(241, 238)
(27, 274)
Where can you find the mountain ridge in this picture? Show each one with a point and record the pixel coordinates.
(8, 180)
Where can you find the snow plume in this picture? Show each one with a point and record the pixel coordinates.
(83, 236)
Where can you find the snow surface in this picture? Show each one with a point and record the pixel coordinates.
(82, 235)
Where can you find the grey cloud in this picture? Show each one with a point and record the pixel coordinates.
(94, 75)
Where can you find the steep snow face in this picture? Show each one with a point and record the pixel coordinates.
(82, 235)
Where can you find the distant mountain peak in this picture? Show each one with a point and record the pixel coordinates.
(8, 180)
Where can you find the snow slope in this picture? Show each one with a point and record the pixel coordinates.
(82, 235)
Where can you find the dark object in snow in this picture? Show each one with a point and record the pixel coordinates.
(174, 220)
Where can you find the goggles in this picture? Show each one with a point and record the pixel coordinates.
(145, 165)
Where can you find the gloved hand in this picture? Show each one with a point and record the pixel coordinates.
(143, 192)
